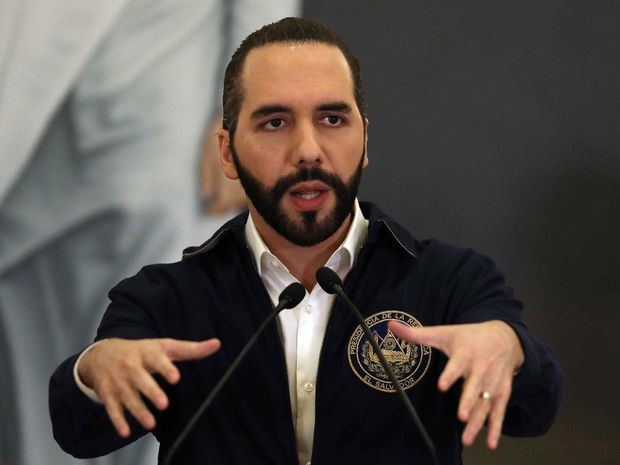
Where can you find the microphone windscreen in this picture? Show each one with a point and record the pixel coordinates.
(293, 294)
(327, 279)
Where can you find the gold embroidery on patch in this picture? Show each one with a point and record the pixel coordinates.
(408, 361)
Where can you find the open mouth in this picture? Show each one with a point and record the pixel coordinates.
(309, 195)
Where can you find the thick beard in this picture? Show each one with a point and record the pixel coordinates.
(310, 231)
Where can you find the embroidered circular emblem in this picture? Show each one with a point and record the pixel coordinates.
(408, 361)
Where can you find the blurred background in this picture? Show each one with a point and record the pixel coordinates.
(493, 125)
(496, 126)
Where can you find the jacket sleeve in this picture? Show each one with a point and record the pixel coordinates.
(538, 387)
(81, 426)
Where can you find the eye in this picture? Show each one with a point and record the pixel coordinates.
(333, 120)
(273, 124)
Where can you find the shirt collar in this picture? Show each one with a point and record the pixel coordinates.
(350, 247)
(380, 228)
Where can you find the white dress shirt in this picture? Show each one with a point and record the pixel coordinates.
(302, 328)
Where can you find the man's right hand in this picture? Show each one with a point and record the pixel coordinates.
(120, 370)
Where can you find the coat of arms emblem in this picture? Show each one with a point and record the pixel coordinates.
(408, 361)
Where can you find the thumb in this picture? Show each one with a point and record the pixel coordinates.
(434, 336)
(190, 350)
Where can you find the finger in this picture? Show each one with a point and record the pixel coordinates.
(496, 417)
(157, 362)
(145, 383)
(496, 420)
(480, 379)
(470, 396)
(476, 420)
(435, 336)
(188, 350)
(115, 412)
(455, 369)
(132, 402)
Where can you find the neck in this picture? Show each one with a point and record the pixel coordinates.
(302, 262)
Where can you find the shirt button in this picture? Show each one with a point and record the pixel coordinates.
(308, 308)
(308, 387)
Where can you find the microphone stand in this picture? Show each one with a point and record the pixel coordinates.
(330, 282)
(289, 298)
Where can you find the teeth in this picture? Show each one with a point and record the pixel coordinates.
(308, 195)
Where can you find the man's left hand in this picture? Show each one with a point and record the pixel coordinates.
(486, 355)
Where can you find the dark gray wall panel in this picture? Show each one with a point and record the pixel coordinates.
(496, 125)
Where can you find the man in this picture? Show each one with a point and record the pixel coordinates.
(294, 133)
(99, 102)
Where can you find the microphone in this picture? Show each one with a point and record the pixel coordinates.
(331, 283)
(288, 298)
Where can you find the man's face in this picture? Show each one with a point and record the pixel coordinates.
(299, 145)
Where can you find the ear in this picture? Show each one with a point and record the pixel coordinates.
(226, 156)
(365, 163)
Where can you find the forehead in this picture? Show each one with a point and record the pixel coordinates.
(296, 72)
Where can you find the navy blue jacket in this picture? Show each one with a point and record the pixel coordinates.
(215, 291)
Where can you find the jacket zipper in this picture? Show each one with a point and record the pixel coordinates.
(329, 324)
(281, 349)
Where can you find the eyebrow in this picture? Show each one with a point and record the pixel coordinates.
(270, 109)
(341, 107)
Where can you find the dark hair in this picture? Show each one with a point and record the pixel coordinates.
(296, 30)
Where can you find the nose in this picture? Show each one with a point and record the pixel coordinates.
(307, 147)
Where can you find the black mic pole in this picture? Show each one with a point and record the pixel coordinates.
(289, 298)
(331, 283)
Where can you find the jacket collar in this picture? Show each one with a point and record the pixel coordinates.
(381, 228)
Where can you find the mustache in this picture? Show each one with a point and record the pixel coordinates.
(303, 175)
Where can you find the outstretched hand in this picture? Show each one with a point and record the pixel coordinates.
(120, 371)
(486, 355)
